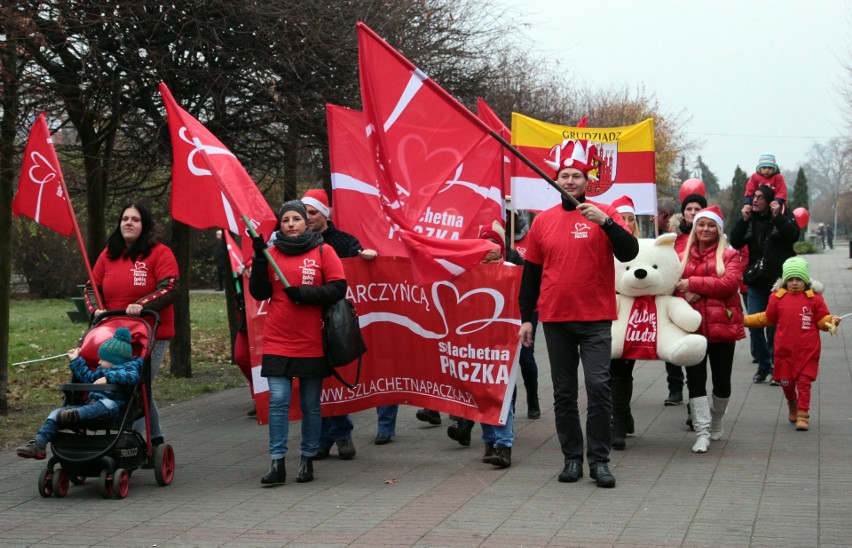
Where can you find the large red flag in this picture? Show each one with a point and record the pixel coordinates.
(210, 187)
(456, 210)
(41, 195)
(420, 135)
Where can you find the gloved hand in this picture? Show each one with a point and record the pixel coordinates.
(293, 293)
(258, 243)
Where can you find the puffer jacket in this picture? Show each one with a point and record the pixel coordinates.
(720, 306)
(763, 233)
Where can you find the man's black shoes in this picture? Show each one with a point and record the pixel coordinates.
(572, 472)
(602, 476)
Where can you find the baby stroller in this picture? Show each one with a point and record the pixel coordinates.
(109, 450)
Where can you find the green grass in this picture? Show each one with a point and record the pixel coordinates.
(40, 328)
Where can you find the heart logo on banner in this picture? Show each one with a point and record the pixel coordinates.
(494, 302)
(497, 305)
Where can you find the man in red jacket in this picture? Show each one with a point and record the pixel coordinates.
(569, 274)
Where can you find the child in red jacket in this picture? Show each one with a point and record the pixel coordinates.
(798, 312)
(768, 174)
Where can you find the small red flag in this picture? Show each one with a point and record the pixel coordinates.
(41, 195)
(210, 187)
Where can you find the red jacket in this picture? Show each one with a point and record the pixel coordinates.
(719, 305)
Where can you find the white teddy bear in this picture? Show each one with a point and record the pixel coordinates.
(652, 323)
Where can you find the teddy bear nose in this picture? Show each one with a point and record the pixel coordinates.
(640, 273)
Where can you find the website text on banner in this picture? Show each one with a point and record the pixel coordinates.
(628, 163)
(451, 345)
(455, 209)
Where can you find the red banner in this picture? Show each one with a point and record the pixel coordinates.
(451, 345)
(421, 139)
(41, 195)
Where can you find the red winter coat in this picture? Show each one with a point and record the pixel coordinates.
(799, 317)
(720, 306)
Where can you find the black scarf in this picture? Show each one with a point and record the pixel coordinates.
(567, 206)
(298, 245)
(684, 227)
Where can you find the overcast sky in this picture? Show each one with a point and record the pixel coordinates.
(749, 76)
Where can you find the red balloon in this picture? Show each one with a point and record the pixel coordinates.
(802, 216)
(692, 186)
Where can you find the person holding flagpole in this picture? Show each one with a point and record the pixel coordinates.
(570, 275)
(134, 273)
(292, 334)
(338, 429)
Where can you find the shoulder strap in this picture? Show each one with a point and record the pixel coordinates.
(343, 382)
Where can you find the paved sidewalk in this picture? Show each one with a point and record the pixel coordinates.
(763, 484)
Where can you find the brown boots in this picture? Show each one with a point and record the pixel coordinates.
(792, 410)
(803, 420)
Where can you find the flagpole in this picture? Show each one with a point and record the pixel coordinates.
(226, 191)
(82, 246)
(466, 112)
(571, 200)
(83, 252)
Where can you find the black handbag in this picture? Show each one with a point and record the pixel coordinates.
(757, 273)
(342, 342)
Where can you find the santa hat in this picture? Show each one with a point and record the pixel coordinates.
(317, 199)
(495, 232)
(575, 153)
(713, 213)
(624, 205)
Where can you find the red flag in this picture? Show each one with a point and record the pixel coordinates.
(210, 187)
(420, 136)
(457, 209)
(235, 255)
(41, 195)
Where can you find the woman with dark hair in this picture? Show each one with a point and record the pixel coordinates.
(292, 334)
(134, 273)
(711, 275)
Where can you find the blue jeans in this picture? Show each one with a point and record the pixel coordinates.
(387, 419)
(158, 354)
(762, 342)
(280, 391)
(334, 429)
(500, 436)
(96, 410)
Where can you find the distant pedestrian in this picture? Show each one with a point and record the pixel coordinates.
(829, 234)
(799, 312)
(821, 234)
(220, 256)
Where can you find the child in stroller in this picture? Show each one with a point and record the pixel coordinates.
(92, 434)
(116, 365)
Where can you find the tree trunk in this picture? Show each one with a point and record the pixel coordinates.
(291, 164)
(95, 198)
(10, 78)
(181, 347)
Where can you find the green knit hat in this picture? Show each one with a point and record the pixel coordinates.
(795, 267)
(117, 349)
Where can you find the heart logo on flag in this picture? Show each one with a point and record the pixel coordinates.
(494, 302)
(414, 156)
(35, 172)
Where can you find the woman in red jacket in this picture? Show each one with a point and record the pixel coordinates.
(292, 333)
(135, 272)
(712, 273)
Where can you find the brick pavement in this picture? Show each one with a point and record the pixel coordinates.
(763, 484)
